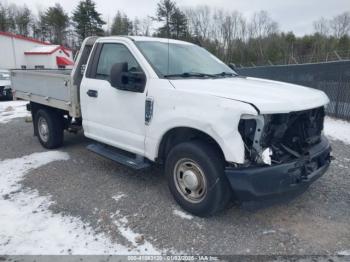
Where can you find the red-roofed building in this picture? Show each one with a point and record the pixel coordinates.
(29, 53)
(49, 56)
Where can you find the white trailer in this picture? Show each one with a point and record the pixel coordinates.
(24, 52)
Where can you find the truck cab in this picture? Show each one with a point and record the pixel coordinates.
(219, 135)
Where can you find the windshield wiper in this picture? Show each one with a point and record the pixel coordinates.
(190, 74)
(226, 74)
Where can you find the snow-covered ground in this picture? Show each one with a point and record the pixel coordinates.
(12, 109)
(27, 226)
(182, 214)
(337, 129)
(344, 253)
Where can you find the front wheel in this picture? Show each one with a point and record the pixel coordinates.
(195, 173)
(49, 128)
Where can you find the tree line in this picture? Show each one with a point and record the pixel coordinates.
(227, 34)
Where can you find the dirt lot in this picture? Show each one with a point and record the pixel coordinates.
(136, 209)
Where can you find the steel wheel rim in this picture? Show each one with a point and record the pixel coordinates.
(190, 180)
(43, 129)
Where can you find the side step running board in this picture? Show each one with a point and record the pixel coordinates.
(125, 158)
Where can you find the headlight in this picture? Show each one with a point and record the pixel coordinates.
(4, 76)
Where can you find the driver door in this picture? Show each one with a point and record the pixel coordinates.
(112, 116)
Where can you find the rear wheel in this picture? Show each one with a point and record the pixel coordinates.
(49, 128)
(195, 173)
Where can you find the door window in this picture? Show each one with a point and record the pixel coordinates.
(112, 54)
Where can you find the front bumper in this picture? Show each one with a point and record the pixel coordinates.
(255, 183)
(5, 91)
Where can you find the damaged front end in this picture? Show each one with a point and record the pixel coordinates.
(284, 153)
(279, 138)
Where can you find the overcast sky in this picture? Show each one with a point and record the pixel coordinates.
(292, 15)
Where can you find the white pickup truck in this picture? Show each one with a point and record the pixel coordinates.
(219, 135)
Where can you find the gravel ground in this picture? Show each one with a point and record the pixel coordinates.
(93, 188)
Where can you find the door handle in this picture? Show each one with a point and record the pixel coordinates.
(92, 93)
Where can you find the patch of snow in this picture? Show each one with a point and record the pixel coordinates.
(342, 166)
(182, 214)
(266, 232)
(136, 239)
(12, 109)
(28, 227)
(118, 197)
(344, 253)
(337, 129)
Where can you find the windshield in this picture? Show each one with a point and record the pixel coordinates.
(182, 60)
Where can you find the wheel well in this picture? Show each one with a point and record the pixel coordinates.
(179, 135)
(35, 107)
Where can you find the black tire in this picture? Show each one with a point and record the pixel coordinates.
(208, 159)
(55, 128)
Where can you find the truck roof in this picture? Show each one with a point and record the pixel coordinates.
(145, 38)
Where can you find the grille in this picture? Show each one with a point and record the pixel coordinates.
(295, 132)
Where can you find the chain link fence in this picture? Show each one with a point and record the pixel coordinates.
(335, 55)
(331, 77)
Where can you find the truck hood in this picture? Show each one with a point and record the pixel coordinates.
(266, 95)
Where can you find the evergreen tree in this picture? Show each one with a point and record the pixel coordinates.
(344, 43)
(165, 10)
(88, 21)
(174, 20)
(12, 12)
(4, 26)
(23, 19)
(178, 24)
(122, 25)
(57, 21)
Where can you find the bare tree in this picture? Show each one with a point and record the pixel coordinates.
(261, 26)
(199, 21)
(321, 26)
(216, 28)
(231, 27)
(136, 26)
(340, 25)
(146, 26)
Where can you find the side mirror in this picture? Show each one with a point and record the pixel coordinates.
(117, 71)
(122, 79)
